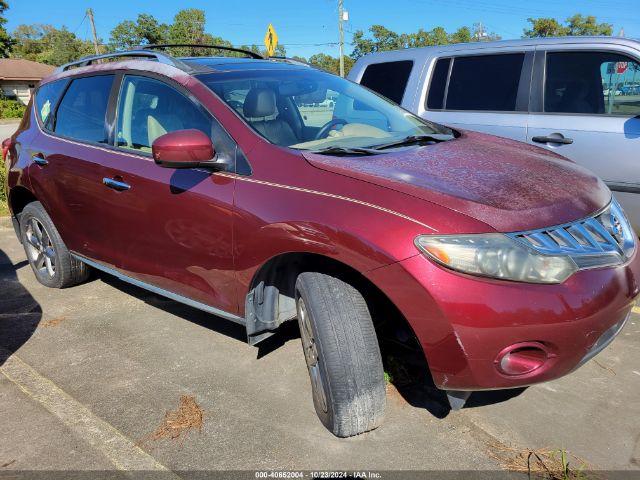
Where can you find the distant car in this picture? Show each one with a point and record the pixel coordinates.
(199, 179)
(552, 92)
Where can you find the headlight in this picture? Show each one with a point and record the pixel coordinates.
(497, 256)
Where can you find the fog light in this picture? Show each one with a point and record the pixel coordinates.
(522, 358)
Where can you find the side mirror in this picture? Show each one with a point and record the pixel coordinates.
(185, 149)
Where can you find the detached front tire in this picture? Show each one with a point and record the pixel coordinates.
(342, 354)
(48, 256)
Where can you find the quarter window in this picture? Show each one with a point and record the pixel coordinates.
(435, 100)
(83, 109)
(485, 83)
(602, 83)
(388, 79)
(46, 99)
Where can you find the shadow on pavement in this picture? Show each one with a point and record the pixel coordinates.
(408, 369)
(19, 312)
(287, 331)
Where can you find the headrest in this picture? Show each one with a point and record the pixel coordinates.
(260, 102)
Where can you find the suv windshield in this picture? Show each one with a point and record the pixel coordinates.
(308, 109)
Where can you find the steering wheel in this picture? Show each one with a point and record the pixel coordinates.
(327, 127)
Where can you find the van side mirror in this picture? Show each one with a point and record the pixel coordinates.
(185, 149)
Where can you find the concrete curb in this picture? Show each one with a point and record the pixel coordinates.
(5, 222)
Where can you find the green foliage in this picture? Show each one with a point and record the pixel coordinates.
(381, 39)
(329, 63)
(50, 45)
(10, 108)
(145, 30)
(575, 25)
(580, 25)
(6, 42)
(188, 27)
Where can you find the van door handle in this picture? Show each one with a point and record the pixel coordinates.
(116, 184)
(38, 159)
(560, 140)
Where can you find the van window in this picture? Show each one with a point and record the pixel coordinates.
(388, 79)
(485, 82)
(83, 109)
(46, 99)
(435, 100)
(603, 83)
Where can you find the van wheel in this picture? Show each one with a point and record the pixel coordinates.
(342, 354)
(48, 256)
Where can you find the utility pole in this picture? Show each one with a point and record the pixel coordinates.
(93, 28)
(341, 30)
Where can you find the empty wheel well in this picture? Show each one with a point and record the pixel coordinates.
(395, 335)
(20, 197)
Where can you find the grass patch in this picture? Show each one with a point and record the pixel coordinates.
(543, 463)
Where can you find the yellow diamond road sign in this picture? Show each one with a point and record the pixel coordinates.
(271, 40)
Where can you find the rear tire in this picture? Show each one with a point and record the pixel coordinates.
(342, 354)
(48, 256)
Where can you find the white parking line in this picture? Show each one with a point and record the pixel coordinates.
(120, 450)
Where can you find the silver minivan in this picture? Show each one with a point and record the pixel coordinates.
(577, 96)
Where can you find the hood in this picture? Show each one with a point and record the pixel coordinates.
(508, 185)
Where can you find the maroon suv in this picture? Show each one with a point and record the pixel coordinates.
(242, 187)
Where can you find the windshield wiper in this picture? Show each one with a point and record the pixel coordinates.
(346, 151)
(412, 139)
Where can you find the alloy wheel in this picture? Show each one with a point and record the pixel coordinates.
(311, 356)
(40, 250)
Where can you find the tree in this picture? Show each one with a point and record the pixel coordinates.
(47, 44)
(381, 39)
(329, 63)
(579, 25)
(6, 42)
(462, 35)
(145, 30)
(575, 25)
(545, 27)
(188, 27)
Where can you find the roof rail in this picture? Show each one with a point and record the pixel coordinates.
(158, 56)
(249, 53)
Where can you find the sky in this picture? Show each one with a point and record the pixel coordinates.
(306, 27)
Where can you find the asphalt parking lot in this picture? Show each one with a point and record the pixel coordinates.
(88, 374)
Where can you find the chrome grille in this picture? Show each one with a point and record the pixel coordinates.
(601, 240)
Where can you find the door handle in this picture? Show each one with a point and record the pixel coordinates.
(116, 184)
(38, 159)
(560, 140)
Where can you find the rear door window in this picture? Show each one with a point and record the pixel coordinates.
(597, 83)
(47, 97)
(388, 79)
(83, 109)
(485, 83)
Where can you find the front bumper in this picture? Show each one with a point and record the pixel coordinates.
(463, 322)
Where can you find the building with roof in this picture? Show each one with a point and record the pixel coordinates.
(18, 77)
